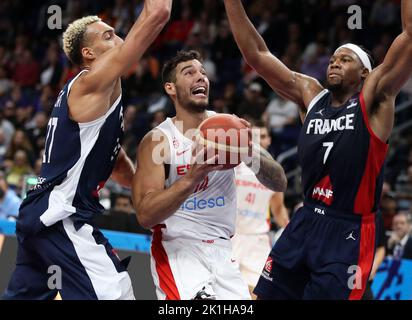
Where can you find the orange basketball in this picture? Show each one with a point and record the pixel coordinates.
(228, 136)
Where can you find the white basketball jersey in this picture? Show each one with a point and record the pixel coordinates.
(210, 211)
(252, 203)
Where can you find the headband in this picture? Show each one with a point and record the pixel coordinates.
(362, 55)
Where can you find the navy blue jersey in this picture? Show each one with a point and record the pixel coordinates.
(77, 161)
(340, 156)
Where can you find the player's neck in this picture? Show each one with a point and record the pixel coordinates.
(341, 97)
(189, 119)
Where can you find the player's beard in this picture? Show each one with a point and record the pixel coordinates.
(191, 105)
(334, 87)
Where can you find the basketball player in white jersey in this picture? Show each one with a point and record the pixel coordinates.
(255, 203)
(83, 149)
(190, 207)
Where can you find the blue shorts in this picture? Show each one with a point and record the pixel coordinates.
(79, 264)
(322, 254)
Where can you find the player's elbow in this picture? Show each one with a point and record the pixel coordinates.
(283, 182)
(252, 57)
(408, 31)
(162, 15)
(144, 219)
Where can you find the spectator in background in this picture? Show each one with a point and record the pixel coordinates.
(400, 241)
(404, 189)
(9, 201)
(46, 99)
(226, 55)
(384, 13)
(7, 128)
(158, 117)
(52, 67)
(18, 169)
(121, 216)
(280, 113)
(5, 83)
(281, 116)
(26, 70)
(123, 203)
(315, 59)
(389, 208)
(3, 146)
(37, 130)
(254, 103)
(20, 141)
(178, 31)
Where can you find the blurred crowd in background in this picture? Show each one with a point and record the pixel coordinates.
(302, 33)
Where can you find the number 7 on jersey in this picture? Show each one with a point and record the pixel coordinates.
(328, 146)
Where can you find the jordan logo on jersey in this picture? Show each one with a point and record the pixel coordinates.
(323, 191)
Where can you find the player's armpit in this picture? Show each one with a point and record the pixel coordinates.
(123, 170)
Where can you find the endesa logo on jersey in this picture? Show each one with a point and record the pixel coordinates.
(201, 204)
(323, 191)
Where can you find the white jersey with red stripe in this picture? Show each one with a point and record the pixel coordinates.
(191, 254)
(253, 203)
(210, 211)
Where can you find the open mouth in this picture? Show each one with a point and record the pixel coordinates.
(199, 92)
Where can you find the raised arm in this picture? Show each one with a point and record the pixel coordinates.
(118, 60)
(385, 82)
(291, 85)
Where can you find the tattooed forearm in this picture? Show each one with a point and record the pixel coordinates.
(270, 173)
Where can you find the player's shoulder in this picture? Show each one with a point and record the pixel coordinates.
(153, 137)
(155, 141)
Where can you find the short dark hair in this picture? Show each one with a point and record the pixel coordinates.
(259, 123)
(169, 68)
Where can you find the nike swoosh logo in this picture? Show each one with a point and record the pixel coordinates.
(181, 153)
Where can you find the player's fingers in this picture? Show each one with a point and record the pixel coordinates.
(213, 160)
(245, 122)
(198, 155)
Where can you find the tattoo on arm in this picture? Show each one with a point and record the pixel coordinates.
(270, 173)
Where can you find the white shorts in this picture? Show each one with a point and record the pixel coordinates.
(251, 252)
(182, 268)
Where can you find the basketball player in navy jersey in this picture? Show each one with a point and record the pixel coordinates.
(326, 251)
(59, 248)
